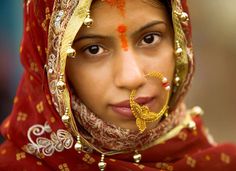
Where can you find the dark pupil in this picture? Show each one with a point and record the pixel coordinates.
(149, 39)
(94, 49)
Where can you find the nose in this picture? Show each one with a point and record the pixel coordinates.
(129, 73)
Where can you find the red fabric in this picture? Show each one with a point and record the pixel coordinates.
(189, 150)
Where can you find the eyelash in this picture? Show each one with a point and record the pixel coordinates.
(157, 35)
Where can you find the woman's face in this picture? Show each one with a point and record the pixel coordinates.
(115, 54)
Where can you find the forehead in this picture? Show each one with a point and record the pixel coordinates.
(127, 9)
(107, 16)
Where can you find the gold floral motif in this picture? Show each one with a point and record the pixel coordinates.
(40, 107)
(3, 151)
(225, 158)
(183, 136)
(63, 167)
(21, 116)
(88, 159)
(191, 162)
(207, 158)
(164, 166)
(20, 156)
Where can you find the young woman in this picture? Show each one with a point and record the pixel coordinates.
(103, 89)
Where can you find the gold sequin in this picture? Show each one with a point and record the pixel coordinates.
(21, 116)
(20, 156)
(27, 27)
(140, 166)
(47, 18)
(52, 119)
(164, 166)
(49, 99)
(195, 133)
(7, 123)
(39, 50)
(16, 99)
(207, 157)
(39, 163)
(8, 137)
(88, 159)
(112, 160)
(64, 167)
(40, 107)
(183, 136)
(225, 158)
(34, 67)
(3, 151)
(31, 78)
(191, 162)
(20, 50)
(30, 98)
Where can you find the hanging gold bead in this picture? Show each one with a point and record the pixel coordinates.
(183, 17)
(179, 50)
(177, 80)
(192, 125)
(65, 118)
(197, 110)
(61, 85)
(102, 164)
(137, 157)
(88, 21)
(78, 146)
(71, 52)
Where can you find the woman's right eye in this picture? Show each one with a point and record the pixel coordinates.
(94, 50)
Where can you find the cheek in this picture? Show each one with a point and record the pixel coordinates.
(87, 83)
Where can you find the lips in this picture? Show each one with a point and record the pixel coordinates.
(123, 108)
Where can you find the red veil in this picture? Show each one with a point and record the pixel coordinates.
(37, 139)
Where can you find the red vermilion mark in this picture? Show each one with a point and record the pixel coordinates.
(122, 31)
(120, 4)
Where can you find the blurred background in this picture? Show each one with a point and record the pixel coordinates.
(214, 40)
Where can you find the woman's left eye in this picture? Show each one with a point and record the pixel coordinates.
(150, 39)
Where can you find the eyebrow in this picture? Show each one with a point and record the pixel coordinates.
(148, 25)
(96, 36)
(91, 36)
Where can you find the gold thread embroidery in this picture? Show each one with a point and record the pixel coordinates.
(63, 167)
(21, 116)
(191, 162)
(20, 156)
(43, 146)
(88, 159)
(183, 136)
(40, 107)
(225, 158)
(3, 151)
(39, 163)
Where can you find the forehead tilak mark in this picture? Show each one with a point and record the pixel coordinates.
(120, 4)
(122, 34)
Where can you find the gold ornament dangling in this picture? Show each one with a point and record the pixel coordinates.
(137, 157)
(179, 50)
(177, 80)
(88, 21)
(71, 52)
(142, 113)
(78, 145)
(102, 164)
(183, 16)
